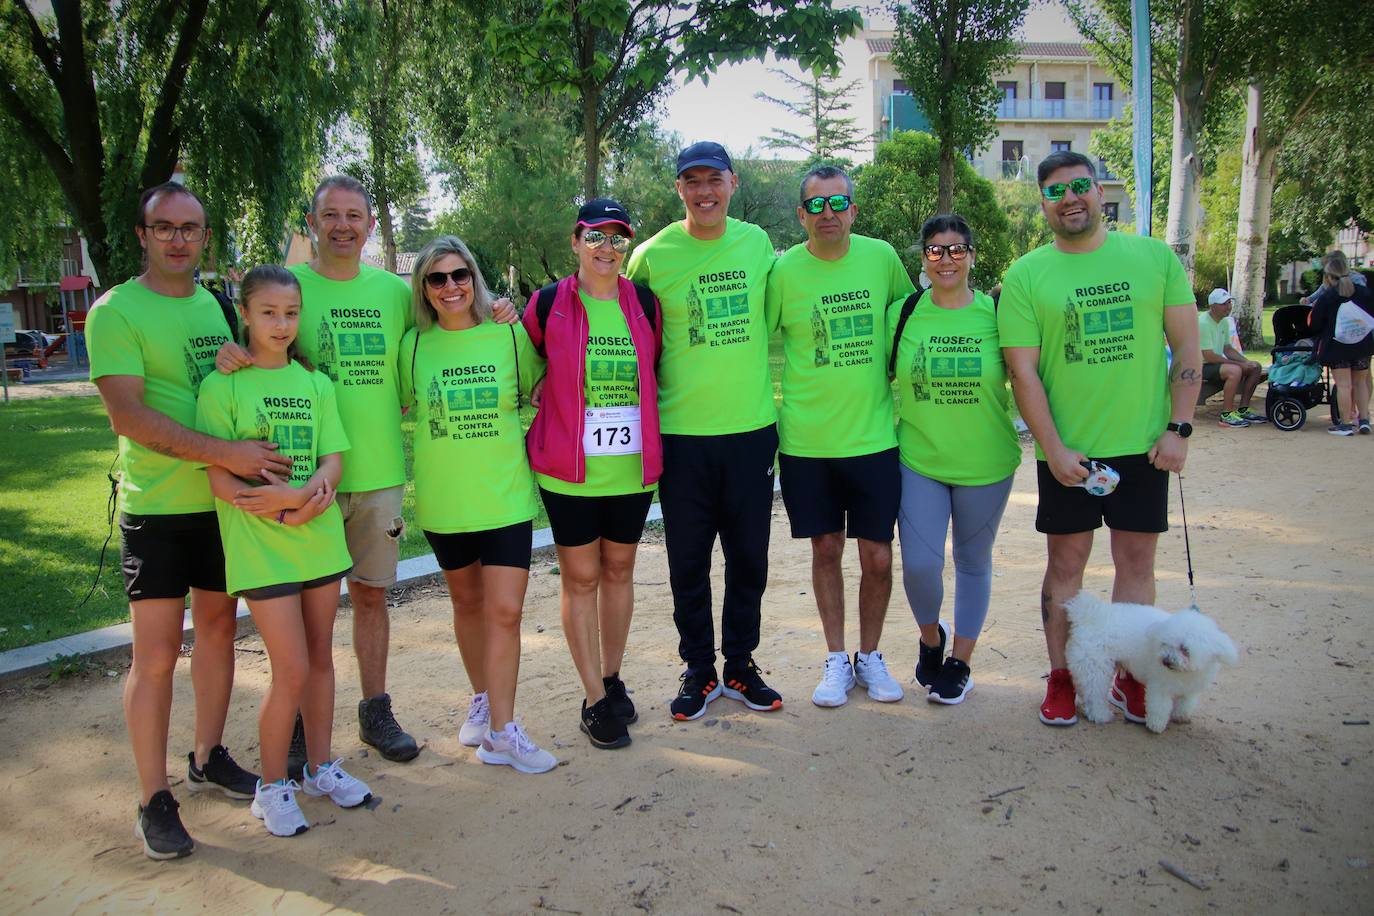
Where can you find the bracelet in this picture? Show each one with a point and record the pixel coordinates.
(281, 517)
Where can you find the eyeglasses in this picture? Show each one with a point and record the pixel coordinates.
(958, 251)
(1079, 186)
(838, 203)
(438, 279)
(595, 238)
(165, 232)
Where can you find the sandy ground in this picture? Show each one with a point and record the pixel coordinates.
(906, 808)
(62, 388)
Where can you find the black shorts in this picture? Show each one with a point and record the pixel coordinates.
(1140, 501)
(508, 546)
(858, 495)
(579, 520)
(1211, 372)
(1360, 364)
(165, 556)
(283, 589)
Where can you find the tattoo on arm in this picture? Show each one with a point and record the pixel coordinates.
(1185, 375)
(1045, 600)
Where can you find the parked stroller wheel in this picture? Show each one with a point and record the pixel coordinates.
(1287, 414)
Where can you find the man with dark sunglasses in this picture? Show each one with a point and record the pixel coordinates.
(1083, 322)
(718, 423)
(838, 451)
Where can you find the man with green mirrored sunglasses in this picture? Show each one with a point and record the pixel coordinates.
(1083, 322)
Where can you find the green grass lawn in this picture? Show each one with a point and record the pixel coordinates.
(53, 514)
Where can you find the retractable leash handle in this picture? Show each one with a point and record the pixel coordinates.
(1187, 549)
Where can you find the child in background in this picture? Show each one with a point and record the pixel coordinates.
(284, 541)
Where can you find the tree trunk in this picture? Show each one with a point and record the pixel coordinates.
(1185, 168)
(944, 200)
(591, 139)
(1252, 224)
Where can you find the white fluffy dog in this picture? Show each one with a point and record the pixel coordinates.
(1176, 656)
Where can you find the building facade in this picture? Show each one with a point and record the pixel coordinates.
(1053, 98)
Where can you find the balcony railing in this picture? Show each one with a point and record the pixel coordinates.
(1060, 109)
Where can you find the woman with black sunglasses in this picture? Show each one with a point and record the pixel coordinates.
(466, 376)
(958, 451)
(595, 448)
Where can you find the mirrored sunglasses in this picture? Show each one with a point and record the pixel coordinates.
(958, 251)
(1079, 186)
(595, 238)
(838, 203)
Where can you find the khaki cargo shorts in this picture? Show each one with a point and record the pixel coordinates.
(373, 529)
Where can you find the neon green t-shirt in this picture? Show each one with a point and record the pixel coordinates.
(836, 400)
(952, 421)
(1098, 319)
(713, 373)
(351, 331)
(295, 408)
(471, 472)
(611, 380)
(171, 344)
(1213, 335)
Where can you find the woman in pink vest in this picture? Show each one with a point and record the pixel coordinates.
(595, 450)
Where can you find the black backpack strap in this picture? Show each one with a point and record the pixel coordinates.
(230, 317)
(908, 307)
(650, 312)
(515, 348)
(543, 304)
(414, 353)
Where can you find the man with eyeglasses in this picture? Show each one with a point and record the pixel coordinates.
(716, 413)
(838, 451)
(1083, 322)
(352, 318)
(152, 339)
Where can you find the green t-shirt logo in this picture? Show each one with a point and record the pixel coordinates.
(434, 400)
(626, 371)
(942, 367)
(970, 367)
(302, 438)
(718, 307)
(374, 344)
(696, 319)
(1073, 333)
(603, 370)
(459, 399)
(1123, 319)
(350, 344)
(739, 304)
(326, 356)
(282, 436)
(486, 398)
(863, 325)
(920, 389)
(841, 328)
(263, 425)
(1095, 323)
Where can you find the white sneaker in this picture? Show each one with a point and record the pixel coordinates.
(332, 780)
(836, 682)
(513, 748)
(479, 717)
(873, 674)
(275, 805)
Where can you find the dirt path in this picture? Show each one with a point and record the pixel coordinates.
(905, 808)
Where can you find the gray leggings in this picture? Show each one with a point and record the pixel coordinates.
(923, 525)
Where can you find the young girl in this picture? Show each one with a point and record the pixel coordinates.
(284, 541)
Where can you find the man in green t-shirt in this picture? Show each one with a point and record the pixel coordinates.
(1221, 361)
(353, 316)
(718, 424)
(1083, 322)
(838, 454)
(152, 339)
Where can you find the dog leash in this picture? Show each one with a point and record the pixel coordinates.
(1187, 549)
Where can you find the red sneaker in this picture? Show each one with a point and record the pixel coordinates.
(1128, 695)
(1059, 708)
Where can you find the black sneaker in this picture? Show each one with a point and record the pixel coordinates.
(621, 703)
(930, 660)
(744, 683)
(220, 774)
(952, 684)
(699, 687)
(603, 726)
(379, 728)
(295, 755)
(159, 827)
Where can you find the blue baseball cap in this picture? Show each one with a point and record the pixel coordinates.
(705, 153)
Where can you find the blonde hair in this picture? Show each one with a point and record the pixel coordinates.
(425, 316)
(1336, 272)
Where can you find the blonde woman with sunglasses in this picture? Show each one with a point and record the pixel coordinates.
(595, 448)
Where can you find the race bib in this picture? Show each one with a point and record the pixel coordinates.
(611, 431)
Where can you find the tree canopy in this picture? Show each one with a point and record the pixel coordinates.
(110, 97)
(822, 102)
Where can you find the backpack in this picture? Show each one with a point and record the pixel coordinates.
(543, 304)
(908, 307)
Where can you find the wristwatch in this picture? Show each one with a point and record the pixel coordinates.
(1184, 429)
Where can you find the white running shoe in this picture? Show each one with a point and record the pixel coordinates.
(836, 682)
(332, 780)
(275, 805)
(513, 748)
(479, 717)
(873, 674)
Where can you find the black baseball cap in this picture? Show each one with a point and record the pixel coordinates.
(602, 211)
(704, 153)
